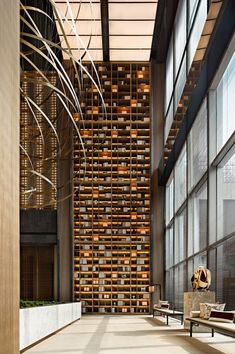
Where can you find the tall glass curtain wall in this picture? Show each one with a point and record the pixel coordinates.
(200, 196)
(189, 22)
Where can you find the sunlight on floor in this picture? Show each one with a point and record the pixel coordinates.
(131, 335)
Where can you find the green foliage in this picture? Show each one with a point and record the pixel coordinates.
(34, 303)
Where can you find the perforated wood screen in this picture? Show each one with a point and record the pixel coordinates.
(39, 145)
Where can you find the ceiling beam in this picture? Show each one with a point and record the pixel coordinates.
(104, 7)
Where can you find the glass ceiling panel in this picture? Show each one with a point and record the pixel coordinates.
(83, 28)
(130, 42)
(131, 27)
(97, 55)
(78, 1)
(134, 1)
(129, 55)
(74, 43)
(85, 11)
(140, 11)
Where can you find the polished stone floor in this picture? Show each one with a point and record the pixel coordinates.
(126, 334)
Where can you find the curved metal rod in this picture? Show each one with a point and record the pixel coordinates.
(82, 67)
(63, 102)
(47, 82)
(68, 83)
(25, 152)
(27, 43)
(39, 71)
(57, 70)
(35, 118)
(43, 114)
(87, 52)
(44, 178)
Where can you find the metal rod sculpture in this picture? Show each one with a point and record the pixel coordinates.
(50, 85)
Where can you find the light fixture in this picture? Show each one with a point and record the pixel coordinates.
(95, 194)
(114, 88)
(122, 169)
(76, 117)
(133, 216)
(140, 74)
(85, 133)
(133, 103)
(114, 133)
(105, 154)
(134, 133)
(95, 110)
(134, 185)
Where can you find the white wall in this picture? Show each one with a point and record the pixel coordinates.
(38, 322)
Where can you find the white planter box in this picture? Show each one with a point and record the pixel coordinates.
(39, 322)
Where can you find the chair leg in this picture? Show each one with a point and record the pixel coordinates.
(191, 328)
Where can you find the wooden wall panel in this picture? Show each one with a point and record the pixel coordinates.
(9, 177)
(112, 192)
(64, 207)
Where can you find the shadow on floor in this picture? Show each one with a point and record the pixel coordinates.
(195, 346)
(204, 347)
(155, 322)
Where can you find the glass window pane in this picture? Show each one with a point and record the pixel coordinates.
(190, 273)
(169, 76)
(180, 236)
(212, 267)
(198, 220)
(169, 292)
(192, 7)
(169, 250)
(179, 87)
(197, 148)
(176, 287)
(226, 198)
(179, 286)
(180, 34)
(197, 28)
(226, 105)
(219, 279)
(200, 260)
(169, 120)
(226, 273)
(169, 201)
(180, 179)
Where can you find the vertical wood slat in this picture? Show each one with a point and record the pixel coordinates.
(9, 177)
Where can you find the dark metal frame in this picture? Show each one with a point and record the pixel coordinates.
(171, 313)
(225, 331)
(104, 8)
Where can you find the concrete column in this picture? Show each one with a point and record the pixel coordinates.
(157, 192)
(9, 177)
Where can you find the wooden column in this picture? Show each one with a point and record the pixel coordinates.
(64, 208)
(9, 177)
